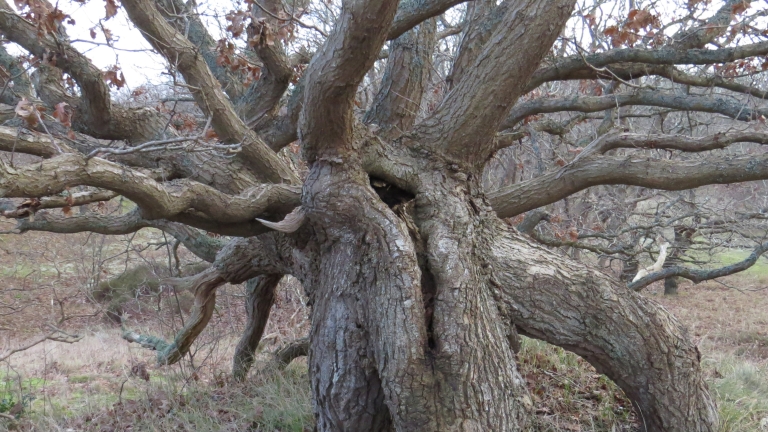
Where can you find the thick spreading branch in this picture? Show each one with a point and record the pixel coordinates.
(156, 200)
(589, 104)
(398, 100)
(463, 125)
(640, 346)
(631, 170)
(200, 244)
(336, 70)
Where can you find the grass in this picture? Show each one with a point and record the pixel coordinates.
(269, 401)
(88, 386)
(742, 394)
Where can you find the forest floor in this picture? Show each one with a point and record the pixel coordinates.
(103, 383)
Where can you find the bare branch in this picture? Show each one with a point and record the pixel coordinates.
(54, 334)
(699, 275)
(631, 170)
(585, 104)
(583, 66)
(207, 91)
(70, 200)
(156, 200)
(412, 12)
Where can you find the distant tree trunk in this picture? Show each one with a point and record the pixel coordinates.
(683, 240)
(629, 269)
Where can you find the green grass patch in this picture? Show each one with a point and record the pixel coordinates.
(741, 389)
(732, 256)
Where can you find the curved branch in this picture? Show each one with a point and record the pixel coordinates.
(699, 275)
(582, 67)
(261, 297)
(636, 343)
(297, 348)
(156, 200)
(238, 261)
(204, 285)
(586, 104)
(631, 170)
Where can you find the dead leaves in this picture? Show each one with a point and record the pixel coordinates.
(39, 12)
(229, 58)
(111, 7)
(630, 32)
(114, 77)
(29, 112)
(63, 113)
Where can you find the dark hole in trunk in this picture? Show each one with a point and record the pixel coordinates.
(390, 194)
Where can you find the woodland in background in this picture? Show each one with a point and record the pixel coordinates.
(439, 178)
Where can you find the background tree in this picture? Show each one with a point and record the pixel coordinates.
(372, 150)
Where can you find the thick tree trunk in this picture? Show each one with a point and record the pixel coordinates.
(381, 357)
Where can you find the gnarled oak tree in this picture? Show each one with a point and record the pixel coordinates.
(418, 288)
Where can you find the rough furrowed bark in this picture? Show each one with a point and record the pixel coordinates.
(632, 340)
(261, 297)
(368, 364)
(481, 388)
(399, 342)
